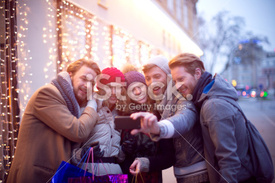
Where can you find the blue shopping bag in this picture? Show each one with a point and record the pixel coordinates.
(66, 171)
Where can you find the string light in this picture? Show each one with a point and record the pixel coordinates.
(101, 42)
(9, 94)
(24, 56)
(83, 35)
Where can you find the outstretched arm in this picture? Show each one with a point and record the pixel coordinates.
(149, 123)
(180, 123)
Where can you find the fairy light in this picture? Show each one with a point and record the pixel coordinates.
(9, 95)
(74, 26)
(49, 38)
(83, 35)
(101, 42)
(144, 50)
(93, 33)
(124, 49)
(107, 45)
(24, 56)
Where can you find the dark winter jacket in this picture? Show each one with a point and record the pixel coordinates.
(160, 154)
(187, 138)
(224, 132)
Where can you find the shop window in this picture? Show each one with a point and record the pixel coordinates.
(170, 5)
(74, 39)
(81, 35)
(185, 16)
(179, 10)
(125, 48)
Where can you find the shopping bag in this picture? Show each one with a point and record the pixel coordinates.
(109, 178)
(90, 179)
(66, 171)
(120, 178)
(117, 178)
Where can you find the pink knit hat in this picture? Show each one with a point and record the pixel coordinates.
(113, 73)
(134, 76)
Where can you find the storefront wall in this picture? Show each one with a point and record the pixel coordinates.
(148, 31)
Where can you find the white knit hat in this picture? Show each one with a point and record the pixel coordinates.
(161, 62)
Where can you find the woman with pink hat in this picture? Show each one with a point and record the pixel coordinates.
(106, 153)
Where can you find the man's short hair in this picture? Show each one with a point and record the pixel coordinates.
(147, 67)
(75, 66)
(189, 61)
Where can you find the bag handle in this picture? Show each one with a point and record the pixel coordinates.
(91, 151)
(103, 166)
(135, 178)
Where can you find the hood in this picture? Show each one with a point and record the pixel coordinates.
(219, 88)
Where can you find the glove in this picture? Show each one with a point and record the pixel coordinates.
(92, 103)
(139, 165)
(96, 151)
(129, 146)
(144, 164)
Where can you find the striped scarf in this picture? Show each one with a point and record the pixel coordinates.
(63, 84)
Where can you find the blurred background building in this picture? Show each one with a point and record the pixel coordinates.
(251, 69)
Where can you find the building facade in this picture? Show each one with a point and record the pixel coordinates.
(184, 12)
(245, 65)
(267, 74)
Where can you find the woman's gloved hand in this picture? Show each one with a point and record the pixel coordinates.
(96, 151)
(139, 165)
(129, 146)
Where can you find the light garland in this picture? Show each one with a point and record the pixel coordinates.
(24, 56)
(101, 50)
(126, 49)
(144, 50)
(79, 31)
(9, 92)
(49, 38)
(75, 30)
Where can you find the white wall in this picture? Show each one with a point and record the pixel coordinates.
(144, 20)
(126, 15)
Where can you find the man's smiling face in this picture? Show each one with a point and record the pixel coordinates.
(154, 76)
(80, 81)
(185, 82)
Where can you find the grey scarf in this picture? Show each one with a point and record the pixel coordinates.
(64, 84)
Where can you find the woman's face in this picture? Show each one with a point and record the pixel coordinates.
(113, 98)
(138, 92)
